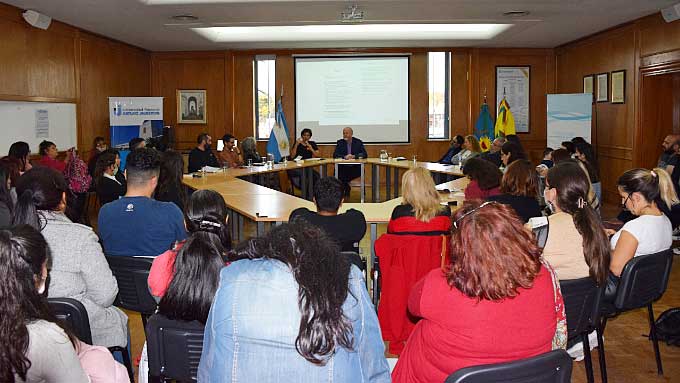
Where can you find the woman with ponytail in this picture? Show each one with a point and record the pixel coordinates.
(35, 347)
(290, 307)
(79, 269)
(186, 276)
(642, 192)
(576, 245)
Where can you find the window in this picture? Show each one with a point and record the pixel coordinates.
(438, 70)
(265, 103)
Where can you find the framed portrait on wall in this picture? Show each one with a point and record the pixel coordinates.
(602, 87)
(619, 87)
(191, 106)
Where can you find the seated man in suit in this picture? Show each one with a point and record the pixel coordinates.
(136, 224)
(202, 155)
(347, 228)
(349, 148)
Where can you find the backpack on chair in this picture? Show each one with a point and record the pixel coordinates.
(668, 327)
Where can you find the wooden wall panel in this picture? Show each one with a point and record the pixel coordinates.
(206, 70)
(657, 36)
(244, 109)
(107, 69)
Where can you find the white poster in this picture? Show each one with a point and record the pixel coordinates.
(513, 84)
(42, 123)
(569, 116)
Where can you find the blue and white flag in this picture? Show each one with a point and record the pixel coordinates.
(278, 143)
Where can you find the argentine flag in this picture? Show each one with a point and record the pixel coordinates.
(278, 143)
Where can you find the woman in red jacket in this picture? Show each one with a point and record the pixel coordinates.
(485, 179)
(495, 302)
(415, 243)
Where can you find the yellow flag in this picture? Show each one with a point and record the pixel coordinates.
(505, 123)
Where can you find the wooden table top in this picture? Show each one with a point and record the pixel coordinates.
(262, 204)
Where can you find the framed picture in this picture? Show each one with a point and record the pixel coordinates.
(513, 83)
(619, 87)
(588, 84)
(602, 87)
(191, 106)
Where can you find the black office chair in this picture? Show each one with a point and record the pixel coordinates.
(73, 314)
(132, 274)
(355, 259)
(174, 349)
(375, 277)
(551, 367)
(643, 280)
(582, 299)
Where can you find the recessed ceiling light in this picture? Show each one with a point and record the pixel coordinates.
(516, 13)
(184, 18)
(354, 32)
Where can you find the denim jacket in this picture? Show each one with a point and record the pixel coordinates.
(254, 321)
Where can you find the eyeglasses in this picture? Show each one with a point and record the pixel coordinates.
(626, 200)
(455, 223)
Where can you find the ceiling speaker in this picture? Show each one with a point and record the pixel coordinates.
(671, 13)
(37, 19)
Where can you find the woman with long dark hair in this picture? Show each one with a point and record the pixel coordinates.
(36, 348)
(170, 187)
(519, 189)
(6, 203)
(485, 179)
(291, 308)
(193, 265)
(586, 154)
(511, 152)
(21, 151)
(493, 303)
(107, 185)
(79, 269)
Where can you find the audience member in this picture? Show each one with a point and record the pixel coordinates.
(292, 295)
(347, 228)
(415, 243)
(519, 190)
(36, 348)
(651, 231)
(21, 151)
(202, 154)
(135, 224)
(6, 203)
(209, 239)
(107, 186)
(249, 146)
(515, 139)
(349, 148)
(495, 302)
(511, 152)
(455, 147)
(494, 153)
(560, 155)
(569, 146)
(579, 140)
(48, 156)
(230, 156)
(576, 245)
(485, 179)
(471, 149)
(11, 168)
(170, 187)
(79, 268)
(98, 147)
(586, 154)
(592, 197)
(547, 158)
(668, 159)
(136, 143)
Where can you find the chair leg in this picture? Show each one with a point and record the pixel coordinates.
(125, 351)
(600, 350)
(652, 332)
(588, 358)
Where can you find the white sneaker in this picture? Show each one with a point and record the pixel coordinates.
(676, 251)
(576, 351)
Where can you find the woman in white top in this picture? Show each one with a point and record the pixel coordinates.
(471, 149)
(651, 231)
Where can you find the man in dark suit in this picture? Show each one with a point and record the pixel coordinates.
(349, 148)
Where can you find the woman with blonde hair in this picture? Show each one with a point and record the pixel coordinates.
(471, 149)
(415, 243)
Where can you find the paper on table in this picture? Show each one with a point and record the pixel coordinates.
(210, 169)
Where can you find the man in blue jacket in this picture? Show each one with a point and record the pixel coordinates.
(349, 148)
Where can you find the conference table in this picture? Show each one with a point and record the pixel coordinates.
(265, 207)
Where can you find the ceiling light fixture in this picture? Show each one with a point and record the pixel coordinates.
(515, 14)
(184, 18)
(353, 32)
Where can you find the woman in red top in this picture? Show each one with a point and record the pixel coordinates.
(49, 153)
(485, 179)
(206, 221)
(493, 303)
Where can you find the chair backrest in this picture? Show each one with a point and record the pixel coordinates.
(582, 299)
(132, 274)
(73, 314)
(644, 279)
(551, 367)
(354, 259)
(174, 348)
